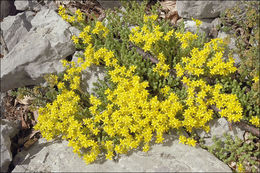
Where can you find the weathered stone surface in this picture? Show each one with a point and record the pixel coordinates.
(14, 28)
(217, 128)
(202, 9)
(231, 45)
(7, 8)
(205, 27)
(91, 75)
(168, 157)
(38, 52)
(8, 131)
(109, 3)
(23, 5)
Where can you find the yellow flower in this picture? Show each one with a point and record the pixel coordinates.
(165, 90)
(240, 168)
(256, 79)
(255, 121)
(75, 39)
(182, 139)
(191, 142)
(198, 22)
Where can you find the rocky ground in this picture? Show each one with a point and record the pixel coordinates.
(33, 40)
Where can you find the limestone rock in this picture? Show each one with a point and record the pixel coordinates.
(24, 5)
(202, 9)
(217, 128)
(38, 53)
(7, 8)
(205, 26)
(231, 45)
(14, 28)
(109, 4)
(168, 157)
(8, 131)
(91, 75)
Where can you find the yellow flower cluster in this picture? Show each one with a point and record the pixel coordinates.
(100, 27)
(132, 112)
(144, 37)
(72, 75)
(228, 104)
(66, 17)
(79, 15)
(200, 61)
(255, 121)
(218, 67)
(151, 18)
(128, 112)
(188, 141)
(200, 97)
(161, 67)
(186, 39)
(197, 113)
(148, 37)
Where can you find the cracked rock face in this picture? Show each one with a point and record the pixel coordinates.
(8, 131)
(15, 28)
(168, 157)
(39, 52)
(202, 9)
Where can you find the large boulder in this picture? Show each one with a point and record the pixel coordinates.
(14, 28)
(8, 131)
(202, 9)
(168, 157)
(39, 52)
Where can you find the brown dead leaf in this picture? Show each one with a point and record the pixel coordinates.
(169, 7)
(232, 165)
(25, 101)
(29, 143)
(24, 123)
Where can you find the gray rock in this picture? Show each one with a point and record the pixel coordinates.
(215, 22)
(7, 8)
(106, 4)
(14, 28)
(205, 27)
(231, 46)
(218, 127)
(168, 157)
(38, 53)
(91, 75)
(2, 95)
(202, 9)
(8, 131)
(24, 5)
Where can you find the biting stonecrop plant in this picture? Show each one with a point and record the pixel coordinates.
(242, 22)
(245, 154)
(158, 78)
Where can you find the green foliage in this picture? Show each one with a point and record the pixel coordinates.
(244, 20)
(236, 150)
(41, 95)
